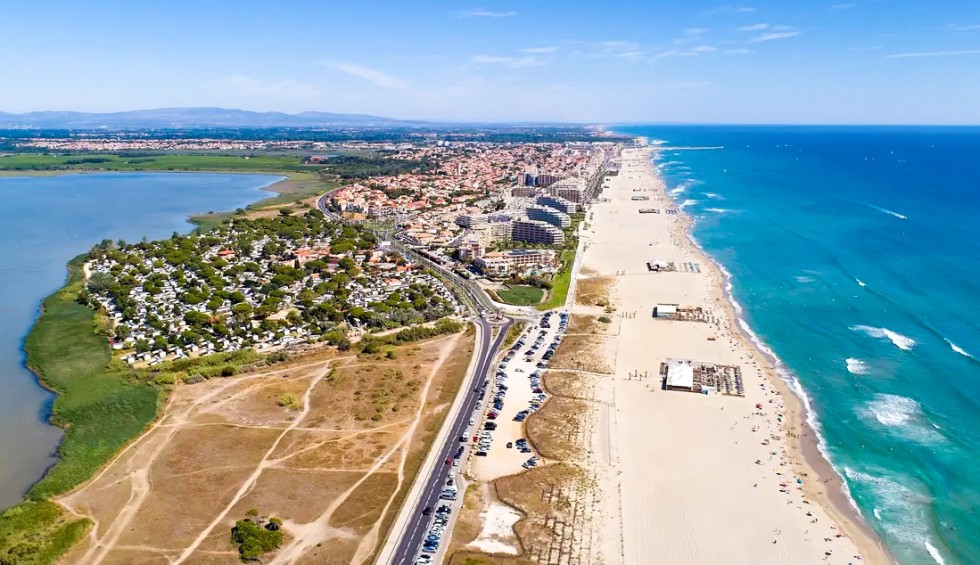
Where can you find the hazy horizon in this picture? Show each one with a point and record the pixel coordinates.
(881, 62)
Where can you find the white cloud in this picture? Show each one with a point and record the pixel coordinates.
(539, 50)
(754, 27)
(730, 10)
(283, 89)
(847, 6)
(737, 51)
(619, 49)
(375, 76)
(484, 13)
(965, 52)
(513, 62)
(773, 36)
(692, 52)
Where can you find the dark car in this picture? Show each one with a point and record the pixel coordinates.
(427, 510)
(449, 460)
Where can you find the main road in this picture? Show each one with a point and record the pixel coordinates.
(410, 526)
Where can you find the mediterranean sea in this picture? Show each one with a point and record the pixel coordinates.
(46, 221)
(854, 255)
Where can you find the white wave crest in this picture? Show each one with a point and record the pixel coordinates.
(804, 279)
(687, 203)
(889, 212)
(958, 349)
(903, 416)
(713, 195)
(900, 507)
(934, 553)
(860, 282)
(856, 366)
(894, 410)
(902, 342)
(678, 190)
(717, 210)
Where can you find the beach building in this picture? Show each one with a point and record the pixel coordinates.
(665, 310)
(558, 203)
(536, 231)
(680, 376)
(550, 215)
(659, 266)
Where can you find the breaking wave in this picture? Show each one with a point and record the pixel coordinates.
(902, 416)
(902, 342)
(687, 203)
(958, 349)
(856, 366)
(860, 282)
(901, 509)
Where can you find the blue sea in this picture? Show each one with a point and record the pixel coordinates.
(44, 222)
(855, 255)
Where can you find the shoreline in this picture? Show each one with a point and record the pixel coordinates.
(806, 443)
(703, 505)
(73, 268)
(802, 437)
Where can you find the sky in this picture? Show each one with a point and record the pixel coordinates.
(765, 61)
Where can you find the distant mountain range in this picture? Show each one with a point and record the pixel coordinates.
(183, 118)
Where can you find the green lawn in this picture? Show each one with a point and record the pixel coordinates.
(560, 282)
(168, 162)
(521, 295)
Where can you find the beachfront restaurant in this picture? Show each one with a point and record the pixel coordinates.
(680, 376)
(665, 310)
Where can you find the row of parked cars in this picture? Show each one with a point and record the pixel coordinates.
(438, 528)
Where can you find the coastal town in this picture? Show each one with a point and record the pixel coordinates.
(487, 211)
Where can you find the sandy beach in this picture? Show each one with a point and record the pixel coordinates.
(687, 477)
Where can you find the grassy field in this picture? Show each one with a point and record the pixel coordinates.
(100, 408)
(560, 283)
(102, 405)
(521, 295)
(168, 162)
(293, 191)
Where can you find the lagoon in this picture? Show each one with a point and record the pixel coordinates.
(44, 222)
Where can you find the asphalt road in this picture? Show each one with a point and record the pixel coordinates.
(411, 540)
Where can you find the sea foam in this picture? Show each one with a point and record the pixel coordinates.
(900, 507)
(902, 342)
(903, 417)
(856, 366)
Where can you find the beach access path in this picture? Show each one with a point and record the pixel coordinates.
(693, 478)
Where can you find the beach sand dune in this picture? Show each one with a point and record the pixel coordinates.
(693, 478)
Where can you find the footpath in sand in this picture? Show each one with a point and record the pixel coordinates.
(687, 477)
(327, 443)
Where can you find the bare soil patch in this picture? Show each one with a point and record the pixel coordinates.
(333, 463)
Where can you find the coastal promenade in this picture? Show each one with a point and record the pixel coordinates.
(695, 478)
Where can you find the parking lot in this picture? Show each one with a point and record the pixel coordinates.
(495, 444)
(512, 394)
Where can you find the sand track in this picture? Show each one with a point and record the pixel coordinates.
(225, 445)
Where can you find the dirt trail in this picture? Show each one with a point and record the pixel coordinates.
(306, 536)
(254, 477)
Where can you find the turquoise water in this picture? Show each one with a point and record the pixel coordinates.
(854, 254)
(44, 222)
